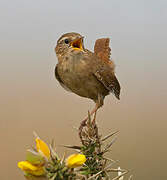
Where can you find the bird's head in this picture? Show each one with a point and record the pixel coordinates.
(69, 42)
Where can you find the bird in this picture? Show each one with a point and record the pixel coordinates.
(85, 73)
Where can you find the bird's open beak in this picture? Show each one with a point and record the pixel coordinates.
(77, 44)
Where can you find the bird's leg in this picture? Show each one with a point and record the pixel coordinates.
(83, 123)
(99, 103)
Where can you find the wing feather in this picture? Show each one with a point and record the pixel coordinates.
(106, 73)
(110, 81)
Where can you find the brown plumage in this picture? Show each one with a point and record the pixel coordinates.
(83, 72)
(102, 49)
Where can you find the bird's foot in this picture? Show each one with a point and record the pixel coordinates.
(86, 123)
(82, 125)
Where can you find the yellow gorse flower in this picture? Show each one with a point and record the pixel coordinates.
(75, 160)
(42, 148)
(28, 168)
(35, 160)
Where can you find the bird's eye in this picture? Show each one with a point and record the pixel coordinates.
(66, 41)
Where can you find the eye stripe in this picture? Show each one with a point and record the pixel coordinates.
(63, 38)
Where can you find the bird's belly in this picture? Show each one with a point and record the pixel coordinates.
(81, 81)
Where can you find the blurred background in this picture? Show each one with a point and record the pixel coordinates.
(32, 100)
